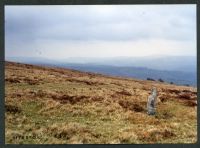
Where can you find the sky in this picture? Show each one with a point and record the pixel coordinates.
(59, 32)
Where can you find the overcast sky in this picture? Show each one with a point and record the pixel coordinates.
(100, 31)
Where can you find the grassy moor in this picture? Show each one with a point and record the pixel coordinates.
(46, 105)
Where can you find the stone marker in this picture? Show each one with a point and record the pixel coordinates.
(151, 102)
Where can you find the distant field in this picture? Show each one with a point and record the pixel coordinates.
(60, 106)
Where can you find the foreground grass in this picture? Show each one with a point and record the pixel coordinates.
(49, 106)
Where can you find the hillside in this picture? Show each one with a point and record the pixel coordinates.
(181, 70)
(169, 63)
(177, 77)
(54, 105)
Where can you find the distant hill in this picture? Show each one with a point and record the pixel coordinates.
(177, 77)
(179, 70)
(171, 63)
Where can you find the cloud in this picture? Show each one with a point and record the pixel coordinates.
(60, 26)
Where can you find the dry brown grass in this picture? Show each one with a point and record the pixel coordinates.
(61, 106)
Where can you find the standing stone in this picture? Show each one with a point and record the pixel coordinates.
(151, 102)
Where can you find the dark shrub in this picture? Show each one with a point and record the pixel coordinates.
(12, 109)
(150, 79)
(185, 96)
(161, 80)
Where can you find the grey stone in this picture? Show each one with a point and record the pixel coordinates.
(151, 102)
